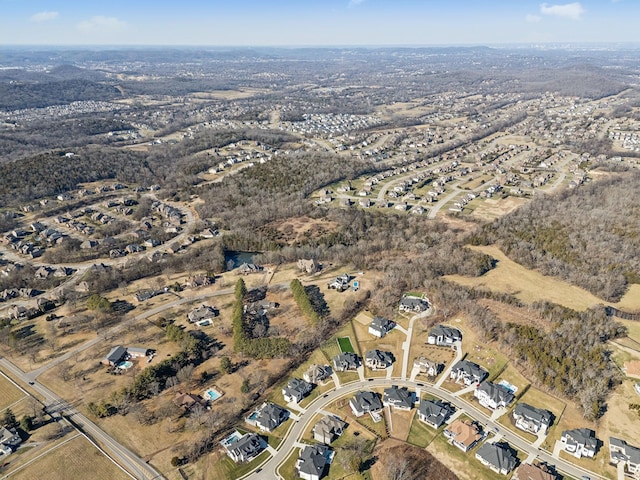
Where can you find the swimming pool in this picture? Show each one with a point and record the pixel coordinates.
(254, 415)
(125, 365)
(212, 394)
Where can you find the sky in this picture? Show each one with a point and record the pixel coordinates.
(316, 22)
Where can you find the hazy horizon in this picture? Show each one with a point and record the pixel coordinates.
(315, 23)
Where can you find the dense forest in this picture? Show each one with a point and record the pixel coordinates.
(589, 236)
(15, 96)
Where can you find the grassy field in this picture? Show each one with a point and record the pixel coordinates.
(420, 434)
(529, 285)
(72, 461)
(9, 394)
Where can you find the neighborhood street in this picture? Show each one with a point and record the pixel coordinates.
(269, 470)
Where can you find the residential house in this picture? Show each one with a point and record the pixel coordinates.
(378, 359)
(580, 442)
(464, 434)
(380, 326)
(328, 429)
(434, 412)
(444, 336)
(189, 400)
(412, 304)
(134, 248)
(197, 281)
(398, 397)
(498, 457)
(346, 361)
(317, 373)
(340, 283)
(43, 272)
(532, 419)
(313, 462)
(365, 402)
(468, 373)
(534, 472)
(271, 416)
(115, 356)
(119, 354)
(247, 268)
(296, 390)
(308, 266)
(492, 396)
(621, 452)
(203, 312)
(428, 367)
(243, 448)
(9, 440)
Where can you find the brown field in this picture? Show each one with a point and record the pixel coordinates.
(9, 393)
(297, 229)
(72, 461)
(529, 285)
(619, 421)
(513, 314)
(492, 208)
(401, 423)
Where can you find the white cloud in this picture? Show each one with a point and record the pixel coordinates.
(101, 24)
(43, 17)
(533, 18)
(569, 10)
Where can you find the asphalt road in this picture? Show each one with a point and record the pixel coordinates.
(269, 470)
(59, 408)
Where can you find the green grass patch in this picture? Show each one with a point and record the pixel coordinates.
(345, 344)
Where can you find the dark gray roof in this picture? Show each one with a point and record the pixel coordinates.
(380, 356)
(271, 415)
(446, 332)
(581, 436)
(414, 303)
(116, 354)
(346, 360)
(398, 396)
(247, 447)
(436, 411)
(630, 452)
(496, 392)
(537, 415)
(471, 369)
(382, 324)
(498, 456)
(367, 401)
(297, 387)
(313, 459)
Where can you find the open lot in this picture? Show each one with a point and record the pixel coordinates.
(72, 461)
(528, 285)
(9, 393)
